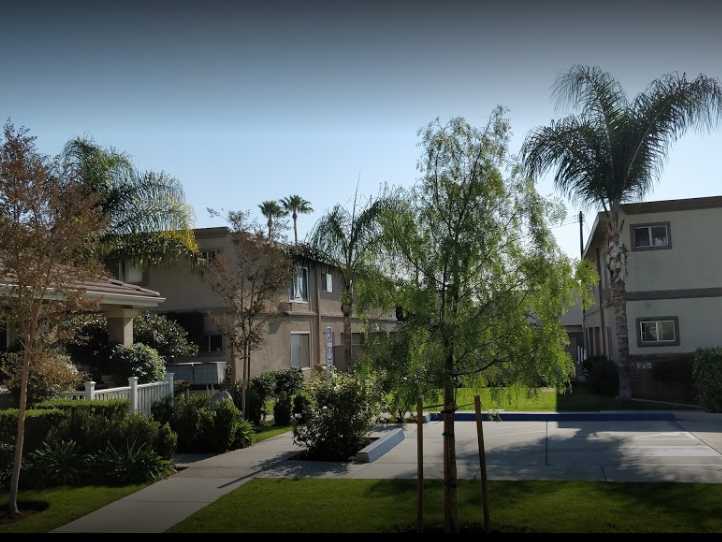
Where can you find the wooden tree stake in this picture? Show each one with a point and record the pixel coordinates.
(419, 465)
(482, 462)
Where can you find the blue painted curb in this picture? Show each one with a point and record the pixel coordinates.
(562, 416)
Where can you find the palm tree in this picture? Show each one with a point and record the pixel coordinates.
(273, 213)
(148, 220)
(613, 151)
(296, 205)
(348, 238)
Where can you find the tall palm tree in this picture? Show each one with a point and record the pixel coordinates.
(273, 212)
(147, 216)
(296, 205)
(348, 238)
(612, 152)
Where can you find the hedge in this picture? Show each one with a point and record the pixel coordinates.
(111, 409)
(707, 375)
(38, 423)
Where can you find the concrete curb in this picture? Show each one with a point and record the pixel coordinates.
(380, 446)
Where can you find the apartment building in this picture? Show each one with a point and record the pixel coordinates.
(307, 333)
(674, 288)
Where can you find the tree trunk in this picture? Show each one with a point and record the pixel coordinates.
(617, 265)
(451, 519)
(20, 436)
(347, 334)
(244, 383)
(295, 229)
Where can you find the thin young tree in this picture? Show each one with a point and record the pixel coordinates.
(249, 280)
(349, 238)
(481, 284)
(49, 223)
(612, 152)
(296, 205)
(274, 213)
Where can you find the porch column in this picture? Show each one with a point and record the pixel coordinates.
(120, 326)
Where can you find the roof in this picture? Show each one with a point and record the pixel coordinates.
(661, 206)
(109, 292)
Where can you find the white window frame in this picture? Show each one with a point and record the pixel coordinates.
(290, 349)
(329, 283)
(648, 228)
(292, 295)
(658, 321)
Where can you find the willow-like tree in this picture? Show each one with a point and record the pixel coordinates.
(350, 240)
(479, 278)
(147, 218)
(612, 152)
(296, 205)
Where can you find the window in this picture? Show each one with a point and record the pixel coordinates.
(299, 286)
(329, 282)
(209, 255)
(132, 273)
(214, 343)
(658, 331)
(650, 236)
(300, 350)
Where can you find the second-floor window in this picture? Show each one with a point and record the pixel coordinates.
(658, 331)
(650, 236)
(299, 285)
(329, 282)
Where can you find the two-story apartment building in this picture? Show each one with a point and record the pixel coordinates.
(307, 333)
(674, 287)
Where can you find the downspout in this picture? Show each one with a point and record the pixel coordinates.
(317, 284)
(603, 334)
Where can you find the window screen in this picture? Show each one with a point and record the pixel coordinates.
(300, 350)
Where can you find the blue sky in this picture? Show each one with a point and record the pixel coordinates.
(244, 102)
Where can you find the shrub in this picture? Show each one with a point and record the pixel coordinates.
(602, 375)
(341, 411)
(51, 374)
(164, 335)
(110, 409)
(38, 424)
(206, 427)
(89, 344)
(132, 463)
(288, 382)
(7, 454)
(707, 375)
(282, 410)
(301, 405)
(163, 410)
(137, 360)
(55, 463)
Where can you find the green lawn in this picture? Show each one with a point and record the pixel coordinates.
(317, 505)
(267, 431)
(547, 399)
(65, 505)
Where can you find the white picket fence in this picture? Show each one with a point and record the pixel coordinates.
(140, 396)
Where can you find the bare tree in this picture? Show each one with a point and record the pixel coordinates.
(248, 280)
(48, 227)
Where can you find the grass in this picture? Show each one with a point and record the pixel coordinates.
(317, 505)
(267, 431)
(65, 504)
(547, 399)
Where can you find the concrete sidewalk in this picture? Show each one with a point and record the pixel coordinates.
(159, 507)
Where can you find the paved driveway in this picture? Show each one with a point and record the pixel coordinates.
(555, 450)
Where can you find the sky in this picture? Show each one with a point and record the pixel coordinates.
(249, 101)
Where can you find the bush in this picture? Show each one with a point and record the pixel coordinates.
(602, 375)
(137, 360)
(7, 456)
(51, 374)
(89, 344)
(38, 424)
(707, 375)
(163, 410)
(341, 411)
(110, 409)
(130, 464)
(164, 335)
(203, 426)
(282, 410)
(301, 406)
(55, 463)
(288, 382)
